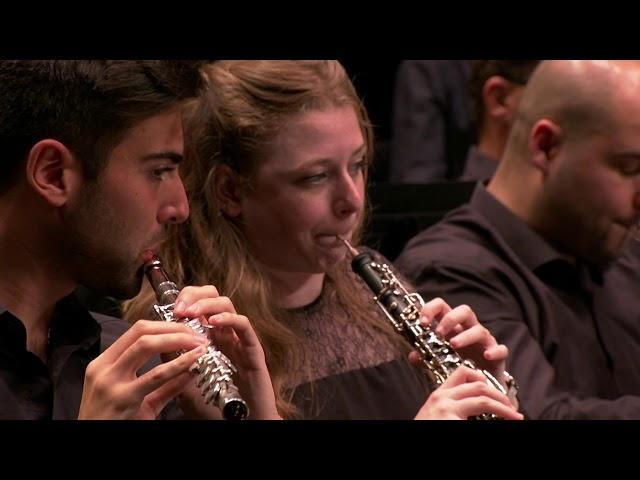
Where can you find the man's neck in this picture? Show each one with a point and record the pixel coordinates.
(33, 307)
(521, 196)
(491, 142)
(31, 282)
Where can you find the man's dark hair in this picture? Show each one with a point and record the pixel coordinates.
(515, 71)
(88, 105)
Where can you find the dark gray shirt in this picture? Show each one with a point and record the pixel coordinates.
(572, 331)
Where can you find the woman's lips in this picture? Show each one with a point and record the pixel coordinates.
(329, 240)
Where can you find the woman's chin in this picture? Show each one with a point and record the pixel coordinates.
(329, 259)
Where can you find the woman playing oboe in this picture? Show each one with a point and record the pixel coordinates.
(276, 167)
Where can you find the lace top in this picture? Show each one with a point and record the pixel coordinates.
(357, 372)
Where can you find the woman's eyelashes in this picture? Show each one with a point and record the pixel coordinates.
(320, 176)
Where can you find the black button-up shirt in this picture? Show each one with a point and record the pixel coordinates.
(573, 332)
(31, 389)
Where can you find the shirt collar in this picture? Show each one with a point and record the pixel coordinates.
(71, 324)
(530, 247)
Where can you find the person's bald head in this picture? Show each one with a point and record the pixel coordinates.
(582, 97)
(571, 169)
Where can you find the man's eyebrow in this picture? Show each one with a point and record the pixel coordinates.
(173, 156)
(626, 154)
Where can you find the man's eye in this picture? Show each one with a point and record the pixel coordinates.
(162, 173)
(631, 171)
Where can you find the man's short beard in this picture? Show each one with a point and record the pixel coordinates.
(117, 289)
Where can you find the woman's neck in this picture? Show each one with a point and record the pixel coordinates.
(295, 290)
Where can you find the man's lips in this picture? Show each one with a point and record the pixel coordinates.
(148, 255)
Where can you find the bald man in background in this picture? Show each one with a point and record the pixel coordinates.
(545, 254)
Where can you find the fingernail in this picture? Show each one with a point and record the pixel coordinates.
(180, 305)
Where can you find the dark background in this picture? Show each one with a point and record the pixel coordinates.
(374, 80)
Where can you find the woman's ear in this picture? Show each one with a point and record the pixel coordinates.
(228, 187)
(53, 171)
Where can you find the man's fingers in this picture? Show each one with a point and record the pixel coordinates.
(137, 330)
(158, 399)
(148, 346)
(166, 372)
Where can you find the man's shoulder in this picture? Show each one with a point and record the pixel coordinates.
(460, 235)
(112, 328)
(462, 245)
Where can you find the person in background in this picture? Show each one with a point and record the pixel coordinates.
(496, 88)
(433, 124)
(545, 253)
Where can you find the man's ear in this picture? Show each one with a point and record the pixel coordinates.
(228, 189)
(498, 95)
(494, 95)
(545, 138)
(53, 171)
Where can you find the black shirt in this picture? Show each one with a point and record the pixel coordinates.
(357, 370)
(31, 389)
(573, 332)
